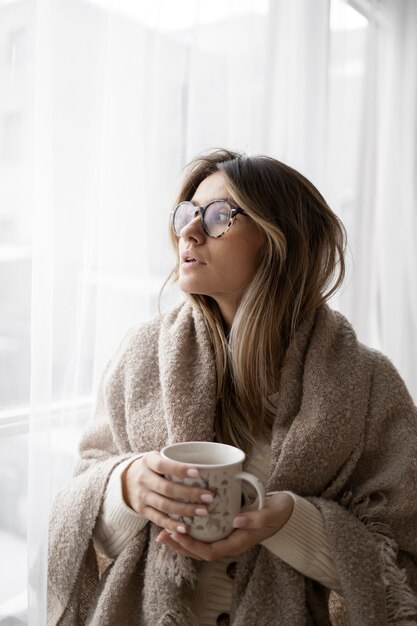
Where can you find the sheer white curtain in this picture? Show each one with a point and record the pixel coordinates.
(296, 104)
(125, 93)
(396, 189)
(381, 294)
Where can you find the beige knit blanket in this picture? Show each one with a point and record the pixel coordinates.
(345, 437)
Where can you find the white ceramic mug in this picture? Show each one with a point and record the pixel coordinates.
(220, 469)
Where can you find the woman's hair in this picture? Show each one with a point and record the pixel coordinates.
(302, 264)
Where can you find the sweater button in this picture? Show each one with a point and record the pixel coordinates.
(231, 570)
(223, 619)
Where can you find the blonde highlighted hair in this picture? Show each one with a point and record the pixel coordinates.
(302, 265)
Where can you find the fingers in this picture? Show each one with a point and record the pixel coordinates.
(152, 478)
(252, 520)
(251, 528)
(165, 466)
(178, 491)
(172, 507)
(233, 545)
(152, 495)
(164, 521)
(274, 515)
(161, 467)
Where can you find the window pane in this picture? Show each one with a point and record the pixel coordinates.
(13, 513)
(16, 175)
(17, 58)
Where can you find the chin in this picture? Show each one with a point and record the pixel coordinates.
(189, 290)
(189, 286)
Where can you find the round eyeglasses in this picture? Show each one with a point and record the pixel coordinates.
(216, 217)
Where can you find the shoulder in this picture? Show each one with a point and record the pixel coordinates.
(138, 348)
(162, 344)
(179, 325)
(387, 384)
(142, 340)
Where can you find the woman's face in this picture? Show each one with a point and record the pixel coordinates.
(223, 267)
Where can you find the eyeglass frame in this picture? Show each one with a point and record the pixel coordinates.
(202, 210)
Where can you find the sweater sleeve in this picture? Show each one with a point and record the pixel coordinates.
(117, 522)
(303, 544)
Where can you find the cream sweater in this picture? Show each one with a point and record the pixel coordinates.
(301, 543)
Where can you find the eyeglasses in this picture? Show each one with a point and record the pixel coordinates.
(216, 217)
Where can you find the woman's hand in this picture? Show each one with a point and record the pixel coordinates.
(149, 493)
(252, 527)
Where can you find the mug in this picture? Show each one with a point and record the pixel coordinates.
(220, 469)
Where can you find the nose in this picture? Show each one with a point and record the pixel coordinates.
(194, 230)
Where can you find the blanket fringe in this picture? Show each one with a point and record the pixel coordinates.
(176, 567)
(179, 616)
(401, 602)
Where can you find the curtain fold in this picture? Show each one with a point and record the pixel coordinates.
(359, 301)
(297, 80)
(42, 322)
(396, 188)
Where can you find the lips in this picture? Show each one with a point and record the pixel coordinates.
(188, 258)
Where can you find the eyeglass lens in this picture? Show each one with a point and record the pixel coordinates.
(216, 219)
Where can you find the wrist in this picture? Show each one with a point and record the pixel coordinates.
(124, 481)
(283, 506)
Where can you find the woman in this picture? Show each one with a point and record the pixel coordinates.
(255, 358)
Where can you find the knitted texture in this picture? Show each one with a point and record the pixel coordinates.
(345, 438)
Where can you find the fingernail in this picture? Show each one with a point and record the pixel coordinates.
(181, 529)
(200, 511)
(193, 473)
(206, 497)
(240, 522)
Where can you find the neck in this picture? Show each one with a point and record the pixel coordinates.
(228, 308)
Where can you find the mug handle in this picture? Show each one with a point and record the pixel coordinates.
(256, 483)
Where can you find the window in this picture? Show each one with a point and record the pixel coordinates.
(134, 42)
